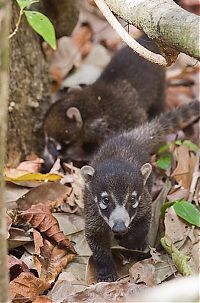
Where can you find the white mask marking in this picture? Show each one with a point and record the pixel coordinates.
(119, 212)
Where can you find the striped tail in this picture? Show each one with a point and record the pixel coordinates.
(154, 132)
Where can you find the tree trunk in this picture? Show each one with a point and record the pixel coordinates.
(4, 32)
(29, 79)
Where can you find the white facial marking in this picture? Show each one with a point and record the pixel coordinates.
(95, 199)
(135, 204)
(134, 193)
(104, 194)
(102, 205)
(119, 212)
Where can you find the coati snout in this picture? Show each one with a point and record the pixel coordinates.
(117, 192)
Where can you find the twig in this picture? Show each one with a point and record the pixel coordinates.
(195, 176)
(142, 51)
(17, 24)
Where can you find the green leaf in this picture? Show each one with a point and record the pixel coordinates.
(178, 142)
(43, 26)
(165, 206)
(164, 162)
(188, 212)
(191, 146)
(163, 149)
(25, 3)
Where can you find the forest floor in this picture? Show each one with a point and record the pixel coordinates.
(45, 211)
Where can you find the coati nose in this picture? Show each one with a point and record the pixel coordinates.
(119, 228)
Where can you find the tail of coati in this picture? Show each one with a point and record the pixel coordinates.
(153, 133)
(118, 184)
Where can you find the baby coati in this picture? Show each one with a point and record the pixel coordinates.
(129, 90)
(118, 184)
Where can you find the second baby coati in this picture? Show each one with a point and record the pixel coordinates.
(117, 195)
(128, 92)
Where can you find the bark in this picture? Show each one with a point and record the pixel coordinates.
(29, 91)
(30, 81)
(163, 21)
(4, 32)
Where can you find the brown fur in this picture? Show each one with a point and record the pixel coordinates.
(129, 91)
(116, 168)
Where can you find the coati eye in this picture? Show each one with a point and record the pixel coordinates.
(104, 201)
(134, 200)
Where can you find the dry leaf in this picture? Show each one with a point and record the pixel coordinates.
(175, 228)
(51, 261)
(50, 194)
(152, 271)
(27, 286)
(119, 291)
(177, 194)
(24, 178)
(185, 166)
(40, 217)
(32, 166)
(42, 299)
(9, 223)
(143, 272)
(38, 241)
(18, 237)
(15, 267)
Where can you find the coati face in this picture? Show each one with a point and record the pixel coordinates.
(117, 191)
(63, 127)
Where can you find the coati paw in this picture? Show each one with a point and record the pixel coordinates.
(103, 276)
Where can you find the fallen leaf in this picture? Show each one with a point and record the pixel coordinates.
(58, 293)
(175, 228)
(143, 272)
(118, 291)
(32, 166)
(40, 217)
(177, 194)
(51, 261)
(9, 223)
(38, 241)
(50, 194)
(156, 212)
(24, 178)
(18, 237)
(16, 266)
(185, 166)
(152, 271)
(27, 286)
(42, 299)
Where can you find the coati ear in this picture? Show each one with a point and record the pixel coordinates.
(74, 113)
(87, 172)
(146, 170)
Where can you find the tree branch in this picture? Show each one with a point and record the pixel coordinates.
(172, 27)
(142, 51)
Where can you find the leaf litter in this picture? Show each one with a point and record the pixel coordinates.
(47, 226)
